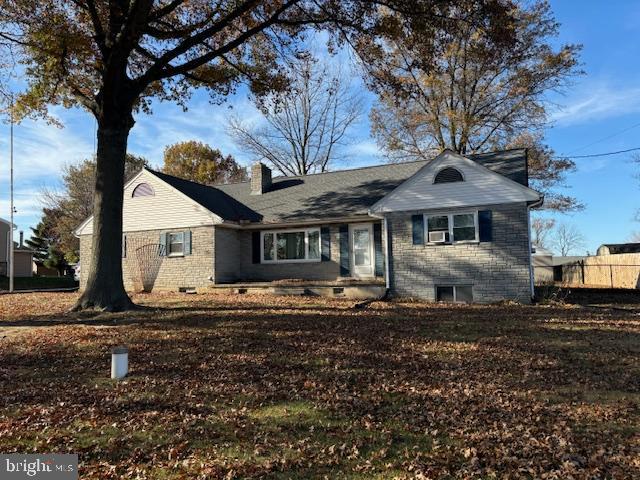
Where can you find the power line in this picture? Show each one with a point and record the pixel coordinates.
(603, 154)
(607, 137)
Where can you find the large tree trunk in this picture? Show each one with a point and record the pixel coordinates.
(105, 288)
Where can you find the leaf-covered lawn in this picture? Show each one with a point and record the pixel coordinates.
(283, 387)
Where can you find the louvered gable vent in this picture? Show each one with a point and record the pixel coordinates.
(143, 190)
(448, 175)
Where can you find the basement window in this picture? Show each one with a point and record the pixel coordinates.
(454, 293)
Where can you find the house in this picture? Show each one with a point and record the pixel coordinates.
(23, 257)
(451, 228)
(618, 248)
(542, 265)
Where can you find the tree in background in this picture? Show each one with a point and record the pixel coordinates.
(567, 239)
(481, 95)
(114, 57)
(74, 204)
(305, 125)
(547, 172)
(635, 236)
(45, 242)
(198, 162)
(541, 228)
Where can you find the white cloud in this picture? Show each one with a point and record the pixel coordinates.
(203, 122)
(28, 210)
(40, 150)
(597, 102)
(366, 147)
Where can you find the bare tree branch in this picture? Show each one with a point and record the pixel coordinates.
(305, 125)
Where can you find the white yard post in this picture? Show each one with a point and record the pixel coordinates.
(119, 362)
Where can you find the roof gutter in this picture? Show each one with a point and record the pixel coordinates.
(293, 224)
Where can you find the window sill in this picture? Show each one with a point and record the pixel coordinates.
(280, 262)
(175, 255)
(462, 242)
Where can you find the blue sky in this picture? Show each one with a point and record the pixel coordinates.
(588, 119)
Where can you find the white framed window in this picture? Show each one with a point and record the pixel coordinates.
(290, 246)
(454, 293)
(175, 244)
(452, 227)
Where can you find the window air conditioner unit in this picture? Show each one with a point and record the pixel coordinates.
(437, 237)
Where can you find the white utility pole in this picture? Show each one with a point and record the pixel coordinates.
(11, 195)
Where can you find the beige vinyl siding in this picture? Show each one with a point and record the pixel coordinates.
(480, 187)
(167, 209)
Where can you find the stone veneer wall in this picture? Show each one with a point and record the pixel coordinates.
(497, 270)
(228, 255)
(175, 272)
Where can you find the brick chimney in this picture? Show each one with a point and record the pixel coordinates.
(21, 239)
(260, 178)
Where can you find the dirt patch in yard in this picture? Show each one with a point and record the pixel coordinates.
(228, 386)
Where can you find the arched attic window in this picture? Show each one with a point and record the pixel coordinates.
(143, 190)
(448, 175)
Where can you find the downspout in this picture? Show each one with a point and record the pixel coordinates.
(386, 254)
(531, 273)
(532, 289)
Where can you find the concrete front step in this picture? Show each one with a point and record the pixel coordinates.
(358, 291)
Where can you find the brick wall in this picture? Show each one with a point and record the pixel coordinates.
(173, 272)
(497, 270)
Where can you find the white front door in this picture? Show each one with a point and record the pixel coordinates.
(362, 256)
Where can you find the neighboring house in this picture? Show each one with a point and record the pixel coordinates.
(41, 270)
(542, 265)
(618, 248)
(451, 228)
(23, 257)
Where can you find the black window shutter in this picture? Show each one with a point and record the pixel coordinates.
(325, 236)
(485, 225)
(377, 246)
(418, 229)
(345, 262)
(255, 246)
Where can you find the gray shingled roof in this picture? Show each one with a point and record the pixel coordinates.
(323, 196)
(617, 248)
